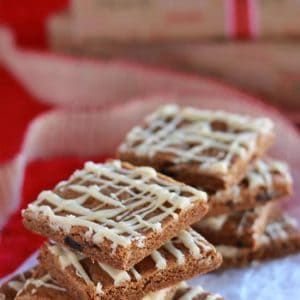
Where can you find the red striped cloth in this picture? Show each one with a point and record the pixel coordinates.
(18, 109)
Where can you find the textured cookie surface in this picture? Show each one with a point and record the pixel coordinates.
(114, 212)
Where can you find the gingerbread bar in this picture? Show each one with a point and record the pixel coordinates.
(241, 229)
(211, 149)
(266, 181)
(185, 292)
(183, 257)
(9, 289)
(281, 238)
(115, 213)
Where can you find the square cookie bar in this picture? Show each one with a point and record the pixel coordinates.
(115, 213)
(183, 257)
(211, 149)
(241, 229)
(266, 181)
(281, 238)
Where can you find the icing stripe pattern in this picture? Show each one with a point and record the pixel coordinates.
(210, 138)
(241, 224)
(242, 220)
(22, 281)
(275, 231)
(115, 202)
(189, 240)
(17, 283)
(260, 175)
(44, 281)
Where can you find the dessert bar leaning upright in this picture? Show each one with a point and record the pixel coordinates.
(115, 213)
(211, 149)
(183, 257)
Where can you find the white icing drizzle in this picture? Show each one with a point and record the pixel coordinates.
(122, 221)
(136, 274)
(276, 230)
(175, 252)
(214, 223)
(160, 261)
(186, 133)
(159, 295)
(45, 281)
(187, 239)
(213, 297)
(190, 293)
(244, 222)
(258, 215)
(69, 258)
(258, 176)
(193, 292)
(119, 276)
(263, 213)
(17, 284)
(99, 290)
(182, 285)
(196, 245)
(228, 251)
(290, 221)
(263, 239)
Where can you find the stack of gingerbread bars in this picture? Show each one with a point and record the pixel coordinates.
(122, 229)
(223, 154)
(117, 232)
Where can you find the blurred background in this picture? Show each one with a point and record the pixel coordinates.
(254, 46)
